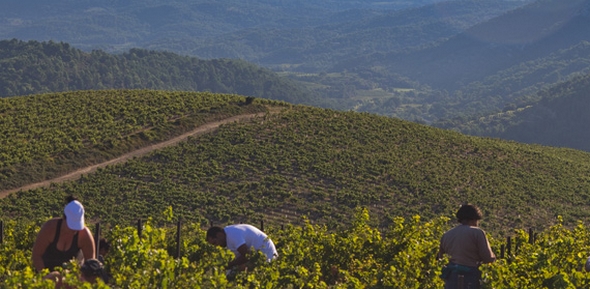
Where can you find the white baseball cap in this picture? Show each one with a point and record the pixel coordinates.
(74, 212)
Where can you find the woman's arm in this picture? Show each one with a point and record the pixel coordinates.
(87, 245)
(44, 238)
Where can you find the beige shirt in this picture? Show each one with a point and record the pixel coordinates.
(467, 245)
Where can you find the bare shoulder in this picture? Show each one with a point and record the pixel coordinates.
(86, 234)
(52, 222)
(50, 225)
(47, 232)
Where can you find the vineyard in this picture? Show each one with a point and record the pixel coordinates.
(360, 256)
(299, 161)
(50, 134)
(304, 171)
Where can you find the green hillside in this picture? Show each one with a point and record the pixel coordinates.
(556, 116)
(309, 36)
(38, 67)
(486, 67)
(45, 136)
(522, 84)
(315, 162)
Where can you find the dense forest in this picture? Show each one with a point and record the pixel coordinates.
(350, 34)
(37, 67)
(312, 37)
(529, 33)
(478, 71)
(557, 118)
(213, 29)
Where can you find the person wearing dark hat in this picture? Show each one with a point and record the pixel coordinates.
(61, 239)
(467, 247)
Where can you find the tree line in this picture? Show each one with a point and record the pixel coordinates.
(34, 67)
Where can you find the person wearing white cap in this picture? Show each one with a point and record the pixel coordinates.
(58, 242)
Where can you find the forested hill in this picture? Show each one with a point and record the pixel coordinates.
(299, 161)
(313, 34)
(308, 37)
(38, 67)
(559, 118)
(345, 35)
(528, 33)
(500, 66)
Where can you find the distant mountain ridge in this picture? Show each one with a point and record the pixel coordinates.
(559, 117)
(493, 67)
(519, 84)
(561, 121)
(236, 29)
(136, 23)
(527, 33)
(443, 63)
(374, 31)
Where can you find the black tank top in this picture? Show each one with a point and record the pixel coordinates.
(55, 258)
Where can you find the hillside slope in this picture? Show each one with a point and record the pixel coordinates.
(321, 163)
(493, 66)
(122, 25)
(348, 34)
(38, 67)
(558, 118)
(50, 135)
(525, 34)
(74, 175)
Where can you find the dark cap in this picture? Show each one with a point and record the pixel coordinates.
(92, 267)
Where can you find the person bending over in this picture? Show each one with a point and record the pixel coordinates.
(240, 239)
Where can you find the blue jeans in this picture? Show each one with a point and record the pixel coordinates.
(461, 277)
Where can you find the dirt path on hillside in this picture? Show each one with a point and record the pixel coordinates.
(140, 152)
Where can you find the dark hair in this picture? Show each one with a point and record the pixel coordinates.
(93, 268)
(468, 212)
(70, 199)
(104, 244)
(212, 232)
